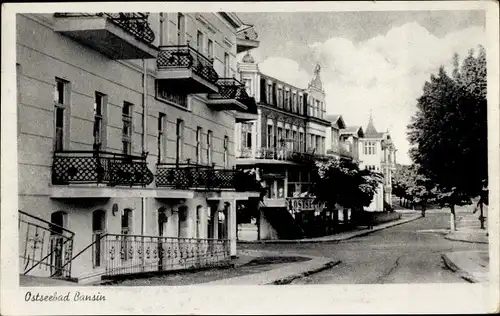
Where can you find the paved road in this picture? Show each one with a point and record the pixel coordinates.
(408, 253)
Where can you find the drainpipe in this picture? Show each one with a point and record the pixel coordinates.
(144, 147)
(144, 136)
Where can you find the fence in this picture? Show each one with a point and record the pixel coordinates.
(130, 254)
(45, 249)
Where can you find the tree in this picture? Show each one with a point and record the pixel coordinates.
(449, 132)
(420, 189)
(340, 181)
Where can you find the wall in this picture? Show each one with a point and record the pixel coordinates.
(43, 55)
(266, 229)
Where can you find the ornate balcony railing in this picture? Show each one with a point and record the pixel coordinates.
(113, 169)
(135, 23)
(45, 249)
(230, 88)
(187, 176)
(128, 254)
(185, 56)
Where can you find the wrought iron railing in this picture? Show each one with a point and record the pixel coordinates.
(100, 167)
(135, 23)
(185, 56)
(248, 33)
(187, 176)
(129, 254)
(230, 88)
(45, 249)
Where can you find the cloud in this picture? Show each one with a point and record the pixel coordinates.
(384, 74)
(286, 70)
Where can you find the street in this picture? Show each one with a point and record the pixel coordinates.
(408, 253)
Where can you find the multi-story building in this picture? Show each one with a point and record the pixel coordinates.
(126, 141)
(291, 126)
(378, 153)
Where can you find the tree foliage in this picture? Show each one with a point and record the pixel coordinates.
(449, 132)
(340, 181)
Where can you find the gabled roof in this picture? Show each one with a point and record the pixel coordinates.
(336, 120)
(352, 130)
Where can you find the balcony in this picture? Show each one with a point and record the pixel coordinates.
(203, 178)
(98, 167)
(186, 70)
(116, 35)
(247, 39)
(233, 96)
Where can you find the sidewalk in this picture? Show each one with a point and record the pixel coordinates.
(340, 236)
(28, 280)
(281, 275)
(469, 229)
(472, 266)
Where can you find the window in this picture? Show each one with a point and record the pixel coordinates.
(61, 98)
(248, 86)
(210, 48)
(161, 136)
(198, 145)
(270, 135)
(369, 148)
(301, 104)
(280, 97)
(294, 102)
(301, 141)
(163, 31)
(181, 31)
(287, 138)
(227, 66)
(199, 41)
(270, 94)
(99, 106)
(226, 151)
(295, 141)
(209, 147)
(127, 128)
(280, 136)
(317, 109)
(166, 93)
(287, 100)
(179, 140)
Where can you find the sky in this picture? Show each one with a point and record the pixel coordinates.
(370, 61)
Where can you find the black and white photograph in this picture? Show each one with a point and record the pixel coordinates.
(276, 146)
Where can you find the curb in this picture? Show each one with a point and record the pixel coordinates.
(462, 273)
(465, 240)
(290, 279)
(333, 240)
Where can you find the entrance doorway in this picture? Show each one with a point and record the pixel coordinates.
(59, 221)
(98, 231)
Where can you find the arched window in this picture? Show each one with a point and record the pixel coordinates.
(199, 210)
(182, 213)
(59, 220)
(162, 221)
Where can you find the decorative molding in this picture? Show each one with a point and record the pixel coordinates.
(228, 42)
